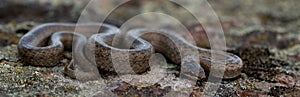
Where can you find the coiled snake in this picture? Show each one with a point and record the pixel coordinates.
(96, 51)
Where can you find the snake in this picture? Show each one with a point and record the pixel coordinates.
(92, 45)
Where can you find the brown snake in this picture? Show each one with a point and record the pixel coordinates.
(34, 50)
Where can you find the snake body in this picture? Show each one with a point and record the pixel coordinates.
(45, 44)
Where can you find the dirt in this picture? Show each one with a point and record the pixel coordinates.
(264, 34)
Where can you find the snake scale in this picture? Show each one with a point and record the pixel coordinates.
(44, 46)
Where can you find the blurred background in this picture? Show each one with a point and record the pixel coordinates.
(268, 21)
